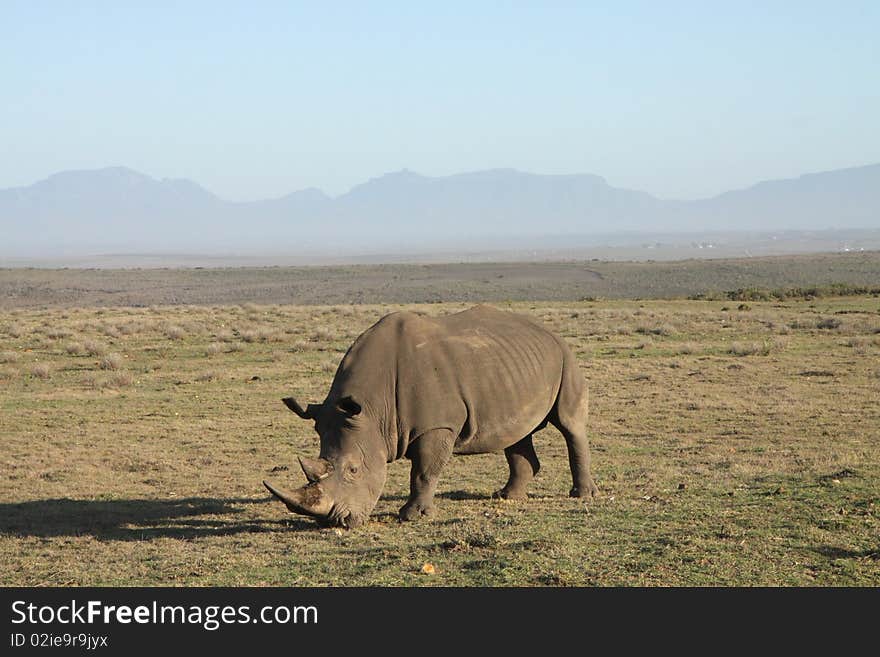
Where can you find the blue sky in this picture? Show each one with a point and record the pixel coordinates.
(257, 99)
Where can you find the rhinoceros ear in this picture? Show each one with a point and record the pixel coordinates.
(310, 412)
(349, 406)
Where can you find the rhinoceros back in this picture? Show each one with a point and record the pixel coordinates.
(489, 376)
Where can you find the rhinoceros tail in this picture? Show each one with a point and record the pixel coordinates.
(571, 404)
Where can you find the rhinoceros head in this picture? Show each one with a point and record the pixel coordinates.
(345, 482)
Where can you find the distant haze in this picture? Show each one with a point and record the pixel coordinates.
(120, 210)
(680, 99)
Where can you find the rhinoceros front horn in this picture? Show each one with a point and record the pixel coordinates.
(310, 500)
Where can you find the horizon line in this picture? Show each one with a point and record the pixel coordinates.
(405, 170)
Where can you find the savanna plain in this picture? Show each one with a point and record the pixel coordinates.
(735, 439)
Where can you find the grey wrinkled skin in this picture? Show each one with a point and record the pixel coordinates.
(478, 381)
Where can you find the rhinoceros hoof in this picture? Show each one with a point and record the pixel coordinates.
(415, 511)
(588, 491)
(510, 494)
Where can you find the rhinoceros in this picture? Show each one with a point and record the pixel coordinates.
(425, 388)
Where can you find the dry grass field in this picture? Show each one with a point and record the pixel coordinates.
(734, 443)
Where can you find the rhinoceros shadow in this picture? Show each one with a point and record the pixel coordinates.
(138, 519)
(447, 495)
(834, 552)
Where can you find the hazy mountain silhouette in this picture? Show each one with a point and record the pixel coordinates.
(120, 209)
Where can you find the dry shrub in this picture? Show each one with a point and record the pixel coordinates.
(272, 335)
(687, 348)
(116, 380)
(14, 330)
(779, 344)
(41, 371)
(9, 357)
(329, 366)
(151, 325)
(749, 349)
(321, 335)
(175, 332)
(111, 362)
(129, 328)
(262, 335)
(249, 335)
(214, 348)
(192, 327)
(74, 348)
(233, 347)
(860, 345)
(206, 376)
(109, 330)
(828, 323)
(661, 329)
(7, 373)
(225, 335)
(120, 379)
(94, 348)
(300, 345)
(57, 333)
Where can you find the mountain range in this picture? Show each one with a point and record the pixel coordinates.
(118, 209)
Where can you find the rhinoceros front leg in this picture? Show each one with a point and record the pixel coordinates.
(428, 453)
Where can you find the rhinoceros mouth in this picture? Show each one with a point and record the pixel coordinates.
(342, 516)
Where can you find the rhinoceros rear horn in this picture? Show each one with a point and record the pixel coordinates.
(309, 500)
(310, 412)
(315, 469)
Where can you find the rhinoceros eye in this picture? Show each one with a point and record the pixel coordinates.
(352, 472)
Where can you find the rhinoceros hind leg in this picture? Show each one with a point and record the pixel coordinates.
(579, 461)
(524, 465)
(569, 415)
(428, 453)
